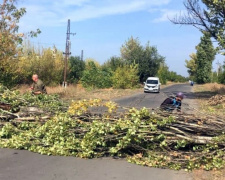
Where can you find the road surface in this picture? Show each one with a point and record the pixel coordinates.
(153, 100)
(25, 165)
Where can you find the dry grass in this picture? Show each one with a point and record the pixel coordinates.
(77, 92)
(208, 175)
(204, 92)
(212, 87)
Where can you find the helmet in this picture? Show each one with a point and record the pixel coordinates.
(180, 95)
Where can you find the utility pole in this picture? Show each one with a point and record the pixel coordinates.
(67, 52)
(218, 67)
(82, 55)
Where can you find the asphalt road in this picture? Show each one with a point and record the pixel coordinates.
(25, 165)
(153, 100)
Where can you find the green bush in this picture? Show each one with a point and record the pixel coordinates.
(95, 77)
(126, 77)
(163, 73)
(76, 68)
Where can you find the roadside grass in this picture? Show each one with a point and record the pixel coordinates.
(203, 93)
(211, 87)
(206, 91)
(77, 92)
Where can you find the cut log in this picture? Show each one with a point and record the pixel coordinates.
(5, 106)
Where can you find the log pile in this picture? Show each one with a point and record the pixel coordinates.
(157, 139)
(143, 136)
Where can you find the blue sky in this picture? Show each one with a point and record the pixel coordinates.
(103, 26)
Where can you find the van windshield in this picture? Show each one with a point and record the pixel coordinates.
(152, 81)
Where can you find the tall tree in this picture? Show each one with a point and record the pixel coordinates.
(191, 65)
(132, 51)
(147, 58)
(9, 20)
(150, 62)
(206, 15)
(205, 56)
(10, 39)
(163, 73)
(113, 63)
(221, 75)
(76, 68)
(126, 77)
(94, 77)
(47, 65)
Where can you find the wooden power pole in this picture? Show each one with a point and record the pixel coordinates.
(67, 52)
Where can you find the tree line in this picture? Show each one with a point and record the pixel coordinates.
(19, 60)
(128, 71)
(208, 17)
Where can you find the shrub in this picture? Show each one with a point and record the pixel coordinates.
(95, 77)
(126, 77)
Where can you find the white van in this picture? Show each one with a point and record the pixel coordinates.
(152, 84)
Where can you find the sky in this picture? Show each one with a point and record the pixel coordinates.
(103, 26)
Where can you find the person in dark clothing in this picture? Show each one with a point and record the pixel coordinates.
(172, 103)
(38, 86)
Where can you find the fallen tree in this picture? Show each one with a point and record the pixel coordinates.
(146, 137)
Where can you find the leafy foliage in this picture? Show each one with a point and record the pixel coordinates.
(126, 77)
(76, 68)
(192, 66)
(221, 75)
(132, 51)
(10, 17)
(207, 16)
(48, 65)
(205, 56)
(174, 77)
(150, 62)
(113, 63)
(147, 58)
(10, 41)
(95, 77)
(138, 135)
(163, 73)
(50, 103)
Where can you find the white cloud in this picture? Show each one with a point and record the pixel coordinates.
(38, 16)
(45, 13)
(89, 12)
(74, 2)
(66, 3)
(167, 14)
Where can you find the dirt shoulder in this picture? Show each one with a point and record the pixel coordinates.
(77, 92)
(211, 99)
(203, 94)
